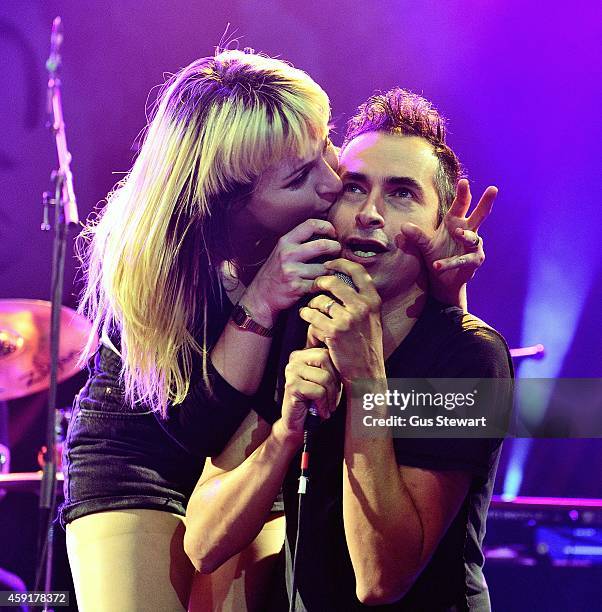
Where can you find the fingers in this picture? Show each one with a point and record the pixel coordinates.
(304, 231)
(361, 279)
(291, 267)
(294, 253)
(321, 247)
(318, 357)
(342, 302)
(312, 340)
(326, 305)
(469, 262)
(298, 287)
(470, 240)
(345, 294)
(416, 235)
(461, 202)
(483, 208)
(321, 326)
(310, 376)
(308, 271)
(307, 391)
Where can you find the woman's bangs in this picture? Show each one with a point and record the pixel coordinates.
(270, 140)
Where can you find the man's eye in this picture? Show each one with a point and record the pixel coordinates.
(299, 180)
(352, 188)
(403, 193)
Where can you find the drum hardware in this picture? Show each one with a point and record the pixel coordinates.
(25, 341)
(4, 465)
(63, 416)
(25, 482)
(4, 459)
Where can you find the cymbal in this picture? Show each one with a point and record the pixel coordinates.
(25, 346)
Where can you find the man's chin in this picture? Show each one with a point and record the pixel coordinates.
(391, 286)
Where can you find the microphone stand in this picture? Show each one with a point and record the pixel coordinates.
(65, 216)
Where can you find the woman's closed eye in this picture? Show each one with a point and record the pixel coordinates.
(299, 179)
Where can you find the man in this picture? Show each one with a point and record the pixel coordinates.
(388, 521)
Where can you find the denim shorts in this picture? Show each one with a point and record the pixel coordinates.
(117, 456)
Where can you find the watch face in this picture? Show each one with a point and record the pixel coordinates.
(243, 319)
(239, 316)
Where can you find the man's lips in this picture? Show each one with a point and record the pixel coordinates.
(363, 250)
(354, 243)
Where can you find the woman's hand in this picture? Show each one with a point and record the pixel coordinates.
(455, 251)
(310, 378)
(286, 275)
(350, 326)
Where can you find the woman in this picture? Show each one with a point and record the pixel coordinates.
(234, 176)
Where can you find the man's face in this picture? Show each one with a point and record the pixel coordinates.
(387, 180)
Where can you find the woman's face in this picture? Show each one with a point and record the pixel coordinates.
(295, 189)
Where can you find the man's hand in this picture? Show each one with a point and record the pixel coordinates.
(350, 325)
(310, 378)
(455, 251)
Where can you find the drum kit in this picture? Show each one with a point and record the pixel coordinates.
(25, 367)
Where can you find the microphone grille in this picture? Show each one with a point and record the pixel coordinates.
(346, 279)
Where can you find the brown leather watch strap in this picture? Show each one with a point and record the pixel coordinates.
(243, 319)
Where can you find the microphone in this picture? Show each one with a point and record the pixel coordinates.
(312, 420)
(346, 279)
(63, 177)
(324, 258)
(53, 62)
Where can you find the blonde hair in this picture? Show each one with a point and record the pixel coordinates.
(150, 259)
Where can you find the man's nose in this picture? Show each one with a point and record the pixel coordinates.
(369, 214)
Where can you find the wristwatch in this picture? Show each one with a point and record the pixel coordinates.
(244, 320)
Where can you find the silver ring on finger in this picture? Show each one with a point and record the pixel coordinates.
(329, 306)
(477, 242)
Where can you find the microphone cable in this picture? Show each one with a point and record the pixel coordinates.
(312, 420)
(311, 423)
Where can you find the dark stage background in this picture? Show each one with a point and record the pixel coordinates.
(520, 82)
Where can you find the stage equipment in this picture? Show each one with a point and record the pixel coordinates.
(25, 482)
(542, 530)
(25, 342)
(544, 554)
(65, 216)
(536, 351)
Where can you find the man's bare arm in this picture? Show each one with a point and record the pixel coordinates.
(235, 493)
(394, 516)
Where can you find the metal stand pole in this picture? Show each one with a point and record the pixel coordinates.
(65, 215)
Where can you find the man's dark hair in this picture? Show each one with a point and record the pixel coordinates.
(402, 112)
